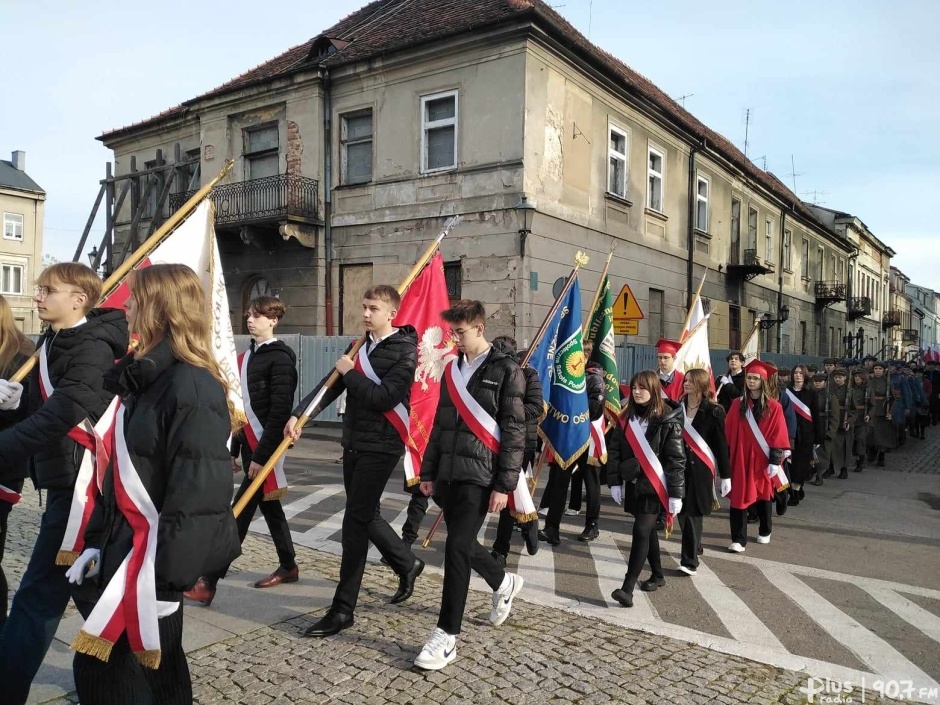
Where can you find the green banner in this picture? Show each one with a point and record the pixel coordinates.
(600, 333)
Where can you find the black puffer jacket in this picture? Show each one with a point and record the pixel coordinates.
(272, 381)
(12, 475)
(78, 360)
(596, 390)
(665, 438)
(176, 426)
(365, 429)
(455, 454)
(533, 401)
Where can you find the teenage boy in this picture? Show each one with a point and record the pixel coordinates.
(268, 372)
(731, 385)
(378, 387)
(670, 378)
(471, 464)
(65, 391)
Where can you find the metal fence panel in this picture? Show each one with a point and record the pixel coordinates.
(318, 354)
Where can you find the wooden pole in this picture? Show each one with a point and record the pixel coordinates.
(597, 292)
(117, 277)
(688, 315)
(313, 408)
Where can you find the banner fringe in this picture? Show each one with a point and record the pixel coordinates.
(279, 493)
(412, 481)
(149, 658)
(597, 462)
(91, 645)
(66, 557)
(525, 518)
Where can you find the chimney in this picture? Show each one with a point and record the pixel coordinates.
(19, 160)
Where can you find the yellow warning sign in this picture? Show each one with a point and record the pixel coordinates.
(627, 327)
(626, 307)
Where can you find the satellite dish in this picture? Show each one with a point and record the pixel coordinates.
(558, 286)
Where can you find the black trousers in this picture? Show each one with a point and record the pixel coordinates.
(645, 547)
(738, 518)
(274, 517)
(590, 479)
(121, 680)
(5, 508)
(417, 509)
(556, 491)
(506, 520)
(691, 527)
(464, 506)
(365, 476)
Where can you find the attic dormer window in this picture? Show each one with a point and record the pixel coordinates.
(324, 47)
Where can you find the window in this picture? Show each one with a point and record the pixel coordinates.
(804, 260)
(656, 330)
(701, 204)
(356, 148)
(453, 277)
(752, 229)
(802, 337)
(438, 132)
(11, 279)
(187, 176)
(840, 277)
(262, 151)
(735, 231)
(768, 241)
(787, 256)
(654, 194)
(617, 163)
(12, 226)
(820, 264)
(832, 265)
(734, 327)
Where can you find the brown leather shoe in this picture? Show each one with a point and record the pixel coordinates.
(201, 593)
(279, 576)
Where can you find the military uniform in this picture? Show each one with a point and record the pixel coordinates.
(858, 416)
(883, 435)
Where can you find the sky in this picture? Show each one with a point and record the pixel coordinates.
(846, 93)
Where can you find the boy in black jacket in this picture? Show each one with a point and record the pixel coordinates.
(471, 464)
(378, 385)
(80, 346)
(269, 380)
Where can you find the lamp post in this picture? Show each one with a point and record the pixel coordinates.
(525, 212)
(767, 322)
(93, 260)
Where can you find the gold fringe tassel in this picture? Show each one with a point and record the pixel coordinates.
(149, 659)
(279, 493)
(716, 504)
(597, 462)
(91, 645)
(783, 487)
(525, 518)
(66, 557)
(412, 482)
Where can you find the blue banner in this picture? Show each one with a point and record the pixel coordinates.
(559, 360)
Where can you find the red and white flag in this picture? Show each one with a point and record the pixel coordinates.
(694, 353)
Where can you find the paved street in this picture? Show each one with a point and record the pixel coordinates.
(846, 590)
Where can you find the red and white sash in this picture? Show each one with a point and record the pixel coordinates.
(275, 484)
(597, 446)
(485, 428)
(8, 495)
(779, 478)
(800, 407)
(95, 439)
(129, 602)
(399, 418)
(694, 440)
(652, 468)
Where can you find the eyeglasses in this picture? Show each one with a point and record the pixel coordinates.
(457, 333)
(43, 292)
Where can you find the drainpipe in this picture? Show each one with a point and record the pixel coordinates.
(783, 225)
(691, 233)
(328, 199)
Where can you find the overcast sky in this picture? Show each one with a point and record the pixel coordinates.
(850, 89)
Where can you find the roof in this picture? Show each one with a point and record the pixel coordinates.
(386, 26)
(11, 177)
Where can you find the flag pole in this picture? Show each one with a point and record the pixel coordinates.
(597, 292)
(117, 276)
(688, 315)
(580, 260)
(313, 408)
(748, 340)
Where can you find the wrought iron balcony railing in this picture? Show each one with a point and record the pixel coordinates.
(910, 335)
(749, 265)
(891, 319)
(830, 291)
(859, 306)
(257, 200)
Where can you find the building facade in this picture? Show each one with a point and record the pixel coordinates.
(923, 314)
(905, 336)
(352, 149)
(21, 208)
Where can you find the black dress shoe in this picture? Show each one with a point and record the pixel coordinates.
(549, 535)
(654, 583)
(590, 533)
(830, 471)
(817, 481)
(844, 473)
(331, 623)
(530, 534)
(406, 583)
(623, 597)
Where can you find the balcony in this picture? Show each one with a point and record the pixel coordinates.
(284, 197)
(748, 266)
(858, 306)
(910, 335)
(828, 293)
(890, 319)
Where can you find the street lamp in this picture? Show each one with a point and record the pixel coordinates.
(767, 322)
(526, 212)
(93, 256)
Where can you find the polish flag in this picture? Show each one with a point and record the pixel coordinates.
(694, 352)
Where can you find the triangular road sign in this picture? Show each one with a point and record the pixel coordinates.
(626, 307)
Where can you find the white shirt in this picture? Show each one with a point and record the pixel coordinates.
(374, 341)
(258, 345)
(468, 368)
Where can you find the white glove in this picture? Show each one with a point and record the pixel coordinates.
(773, 470)
(10, 393)
(77, 573)
(725, 487)
(675, 506)
(616, 493)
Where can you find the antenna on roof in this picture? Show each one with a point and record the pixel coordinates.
(747, 126)
(815, 200)
(794, 173)
(681, 98)
(762, 160)
(590, 17)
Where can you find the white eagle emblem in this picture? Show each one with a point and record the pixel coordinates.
(434, 352)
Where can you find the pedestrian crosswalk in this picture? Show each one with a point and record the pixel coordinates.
(830, 624)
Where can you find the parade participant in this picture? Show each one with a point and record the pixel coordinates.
(646, 473)
(903, 404)
(783, 377)
(859, 417)
(932, 375)
(883, 437)
(268, 380)
(558, 486)
(670, 378)
(924, 391)
(164, 517)
(534, 406)
(868, 362)
(15, 349)
(377, 383)
(829, 366)
(731, 385)
(829, 412)
(757, 445)
(810, 433)
(471, 465)
(64, 390)
(706, 451)
(840, 445)
(778, 391)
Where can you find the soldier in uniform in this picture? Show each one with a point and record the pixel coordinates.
(841, 439)
(858, 418)
(828, 409)
(883, 434)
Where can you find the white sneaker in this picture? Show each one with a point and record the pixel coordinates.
(736, 548)
(573, 512)
(688, 571)
(763, 539)
(439, 651)
(502, 599)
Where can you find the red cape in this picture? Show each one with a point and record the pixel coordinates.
(674, 390)
(749, 481)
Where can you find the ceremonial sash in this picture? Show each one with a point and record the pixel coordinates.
(779, 478)
(94, 438)
(652, 468)
(275, 484)
(693, 439)
(597, 446)
(800, 407)
(8, 495)
(399, 419)
(129, 602)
